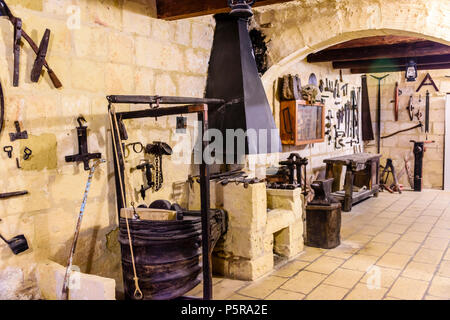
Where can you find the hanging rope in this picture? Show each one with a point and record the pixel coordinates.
(114, 130)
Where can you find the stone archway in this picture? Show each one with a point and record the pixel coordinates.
(309, 26)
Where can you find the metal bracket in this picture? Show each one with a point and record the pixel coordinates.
(83, 154)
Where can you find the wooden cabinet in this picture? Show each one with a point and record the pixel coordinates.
(301, 123)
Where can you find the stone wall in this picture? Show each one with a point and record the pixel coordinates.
(118, 48)
(399, 146)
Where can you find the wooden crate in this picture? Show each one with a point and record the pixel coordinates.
(301, 123)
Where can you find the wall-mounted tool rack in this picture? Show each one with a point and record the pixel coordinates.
(185, 106)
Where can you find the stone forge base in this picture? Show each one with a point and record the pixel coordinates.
(261, 221)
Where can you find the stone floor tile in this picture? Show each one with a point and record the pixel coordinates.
(281, 294)
(396, 228)
(444, 269)
(411, 213)
(262, 288)
(419, 271)
(426, 219)
(409, 289)
(440, 232)
(394, 260)
(381, 222)
(359, 238)
(435, 243)
(440, 287)
(327, 292)
(415, 236)
(405, 247)
(238, 296)
(428, 256)
(422, 227)
(375, 249)
(391, 298)
(363, 292)
(325, 265)
(371, 230)
(387, 277)
(290, 269)
(430, 297)
(310, 254)
(360, 262)
(344, 278)
(386, 237)
(226, 288)
(303, 282)
(447, 254)
(404, 220)
(433, 212)
(344, 251)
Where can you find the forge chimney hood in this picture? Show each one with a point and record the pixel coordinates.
(233, 77)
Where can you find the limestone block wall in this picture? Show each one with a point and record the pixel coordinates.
(118, 47)
(398, 147)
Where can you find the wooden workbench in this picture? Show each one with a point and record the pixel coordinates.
(362, 169)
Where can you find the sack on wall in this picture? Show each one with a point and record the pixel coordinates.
(290, 87)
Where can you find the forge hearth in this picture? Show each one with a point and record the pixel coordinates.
(262, 222)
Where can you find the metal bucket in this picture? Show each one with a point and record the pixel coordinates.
(167, 256)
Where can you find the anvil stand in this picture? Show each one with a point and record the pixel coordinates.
(188, 105)
(83, 154)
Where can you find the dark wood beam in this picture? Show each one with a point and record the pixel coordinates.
(396, 68)
(416, 49)
(396, 62)
(181, 9)
(375, 41)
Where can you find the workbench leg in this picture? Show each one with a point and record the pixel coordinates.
(348, 198)
(375, 177)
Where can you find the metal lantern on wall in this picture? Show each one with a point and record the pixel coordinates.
(241, 8)
(411, 71)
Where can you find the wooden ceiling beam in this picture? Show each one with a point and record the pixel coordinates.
(397, 68)
(375, 41)
(416, 49)
(396, 62)
(181, 9)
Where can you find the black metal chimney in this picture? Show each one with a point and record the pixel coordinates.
(233, 76)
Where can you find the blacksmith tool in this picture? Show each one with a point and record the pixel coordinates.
(397, 92)
(430, 83)
(410, 108)
(321, 85)
(336, 89)
(138, 147)
(344, 89)
(340, 76)
(2, 108)
(379, 111)
(366, 120)
(18, 135)
(83, 154)
(419, 125)
(65, 288)
(322, 192)
(27, 153)
(40, 57)
(18, 34)
(147, 167)
(8, 150)
(181, 124)
(17, 244)
(18, 164)
(419, 150)
(158, 149)
(13, 194)
(427, 113)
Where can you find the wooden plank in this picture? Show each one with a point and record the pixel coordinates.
(401, 68)
(375, 41)
(378, 63)
(181, 9)
(416, 49)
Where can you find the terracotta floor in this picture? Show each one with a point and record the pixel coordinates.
(392, 247)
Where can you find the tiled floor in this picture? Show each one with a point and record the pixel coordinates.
(392, 247)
